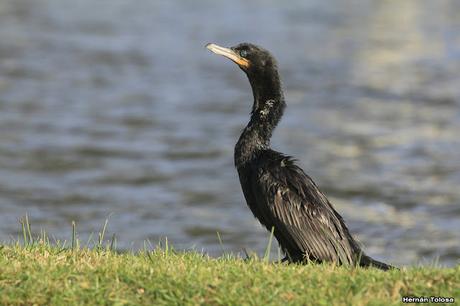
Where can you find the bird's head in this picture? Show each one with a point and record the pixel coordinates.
(250, 58)
(259, 65)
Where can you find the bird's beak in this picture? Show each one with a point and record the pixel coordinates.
(229, 53)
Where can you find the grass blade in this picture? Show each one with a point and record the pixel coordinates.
(269, 246)
(220, 243)
(74, 235)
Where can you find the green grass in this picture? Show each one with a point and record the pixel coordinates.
(43, 273)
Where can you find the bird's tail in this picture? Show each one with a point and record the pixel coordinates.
(367, 261)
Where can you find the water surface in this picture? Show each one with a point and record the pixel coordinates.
(115, 108)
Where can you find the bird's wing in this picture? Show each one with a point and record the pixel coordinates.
(301, 214)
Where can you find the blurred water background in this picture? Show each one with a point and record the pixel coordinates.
(116, 108)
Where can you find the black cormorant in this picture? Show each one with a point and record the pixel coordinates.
(277, 191)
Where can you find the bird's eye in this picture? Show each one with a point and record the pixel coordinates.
(243, 53)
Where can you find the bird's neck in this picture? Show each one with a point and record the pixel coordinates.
(267, 111)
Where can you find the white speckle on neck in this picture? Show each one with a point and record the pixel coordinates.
(267, 106)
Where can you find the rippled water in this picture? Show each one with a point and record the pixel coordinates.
(115, 108)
